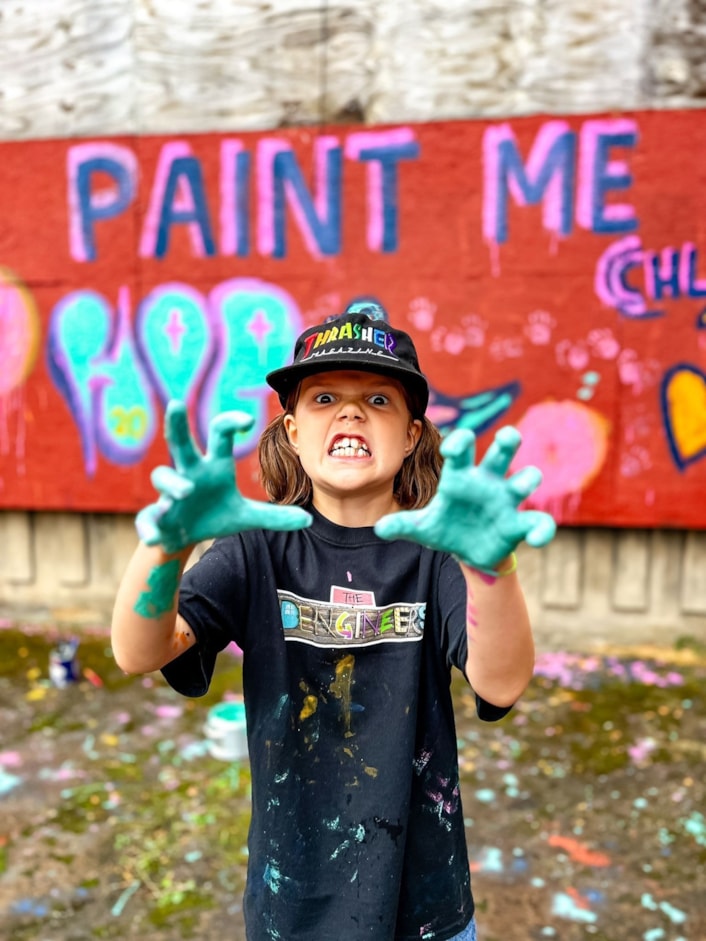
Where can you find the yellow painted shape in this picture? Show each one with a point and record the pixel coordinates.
(686, 398)
(309, 707)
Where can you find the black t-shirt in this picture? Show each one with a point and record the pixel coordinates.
(348, 642)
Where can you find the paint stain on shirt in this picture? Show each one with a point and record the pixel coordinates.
(272, 876)
(341, 687)
(309, 707)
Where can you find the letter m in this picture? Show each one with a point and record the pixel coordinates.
(548, 176)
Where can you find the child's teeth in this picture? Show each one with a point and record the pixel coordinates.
(350, 447)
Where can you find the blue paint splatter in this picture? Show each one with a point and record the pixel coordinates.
(485, 795)
(125, 897)
(272, 877)
(8, 782)
(654, 934)
(29, 907)
(564, 906)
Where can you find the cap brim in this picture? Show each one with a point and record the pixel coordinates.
(284, 380)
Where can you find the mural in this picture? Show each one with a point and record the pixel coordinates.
(548, 269)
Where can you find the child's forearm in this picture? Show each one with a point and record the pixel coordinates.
(145, 631)
(500, 643)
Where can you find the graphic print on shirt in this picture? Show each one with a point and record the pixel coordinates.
(351, 596)
(350, 619)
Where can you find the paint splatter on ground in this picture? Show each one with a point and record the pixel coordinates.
(585, 808)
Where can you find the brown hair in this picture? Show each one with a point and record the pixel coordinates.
(284, 479)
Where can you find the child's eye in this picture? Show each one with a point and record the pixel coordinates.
(379, 399)
(324, 398)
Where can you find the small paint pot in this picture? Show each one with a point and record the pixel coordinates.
(226, 731)
(63, 664)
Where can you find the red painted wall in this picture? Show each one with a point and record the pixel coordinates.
(551, 272)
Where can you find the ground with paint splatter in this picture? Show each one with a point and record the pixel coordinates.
(584, 808)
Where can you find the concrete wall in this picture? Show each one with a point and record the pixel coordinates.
(75, 68)
(587, 589)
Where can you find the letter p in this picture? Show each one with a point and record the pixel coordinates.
(87, 203)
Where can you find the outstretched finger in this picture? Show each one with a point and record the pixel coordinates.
(171, 483)
(256, 514)
(524, 482)
(147, 522)
(222, 429)
(182, 447)
(459, 448)
(404, 524)
(498, 457)
(541, 528)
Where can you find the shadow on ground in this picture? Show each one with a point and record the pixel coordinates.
(584, 807)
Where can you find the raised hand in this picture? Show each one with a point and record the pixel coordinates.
(199, 497)
(474, 513)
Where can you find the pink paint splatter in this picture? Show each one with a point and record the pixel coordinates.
(10, 759)
(568, 442)
(66, 772)
(641, 750)
(19, 332)
(168, 712)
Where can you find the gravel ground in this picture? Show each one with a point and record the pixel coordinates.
(584, 807)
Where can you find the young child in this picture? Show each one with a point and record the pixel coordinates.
(352, 595)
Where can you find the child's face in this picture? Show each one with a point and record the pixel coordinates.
(352, 431)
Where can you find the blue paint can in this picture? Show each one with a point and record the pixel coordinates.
(63, 664)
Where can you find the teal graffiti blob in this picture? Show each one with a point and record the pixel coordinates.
(125, 418)
(212, 353)
(79, 331)
(93, 361)
(175, 340)
(255, 325)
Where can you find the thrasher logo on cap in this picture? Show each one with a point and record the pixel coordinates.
(349, 331)
(354, 340)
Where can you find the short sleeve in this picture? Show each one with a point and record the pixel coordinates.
(488, 712)
(452, 601)
(211, 593)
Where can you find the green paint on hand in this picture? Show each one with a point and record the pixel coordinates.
(475, 513)
(198, 495)
(163, 582)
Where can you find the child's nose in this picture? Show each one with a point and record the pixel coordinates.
(351, 408)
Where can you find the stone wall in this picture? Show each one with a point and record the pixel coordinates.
(75, 68)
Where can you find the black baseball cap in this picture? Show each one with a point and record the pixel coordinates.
(359, 338)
